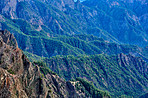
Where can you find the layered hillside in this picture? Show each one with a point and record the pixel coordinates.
(77, 45)
(91, 32)
(120, 74)
(20, 78)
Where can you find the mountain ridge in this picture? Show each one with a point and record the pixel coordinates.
(105, 40)
(21, 78)
(120, 74)
(42, 20)
(88, 17)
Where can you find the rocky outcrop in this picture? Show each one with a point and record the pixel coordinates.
(19, 78)
(8, 38)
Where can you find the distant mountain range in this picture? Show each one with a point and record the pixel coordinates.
(113, 20)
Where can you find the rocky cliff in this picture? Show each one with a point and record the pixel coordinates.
(19, 78)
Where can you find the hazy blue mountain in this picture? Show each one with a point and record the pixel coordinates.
(122, 19)
(114, 20)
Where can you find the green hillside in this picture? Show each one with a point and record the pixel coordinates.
(120, 75)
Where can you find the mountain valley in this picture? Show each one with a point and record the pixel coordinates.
(74, 49)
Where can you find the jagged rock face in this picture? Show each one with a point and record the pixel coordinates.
(8, 38)
(12, 66)
(15, 68)
(20, 79)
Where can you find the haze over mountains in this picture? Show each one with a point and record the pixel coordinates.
(120, 23)
(85, 39)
